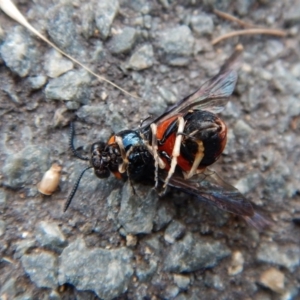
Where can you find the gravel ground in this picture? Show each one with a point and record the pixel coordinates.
(112, 244)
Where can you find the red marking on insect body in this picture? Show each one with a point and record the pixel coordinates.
(117, 174)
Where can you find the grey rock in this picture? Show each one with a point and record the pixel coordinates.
(123, 42)
(242, 131)
(2, 227)
(296, 70)
(3, 196)
(147, 21)
(243, 6)
(26, 133)
(221, 5)
(49, 235)
(141, 291)
(153, 242)
(164, 3)
(9, 289)
(202, 24)
(25, 296)
(99, 54)
(56, 65)
(182, 281)
(42, 269)
(174, 231)
(170, 292)
(275, 186)
(87, 19)
(106, 272)
(37, 82)
(232, 111)
(142, 6)
(283, 255)
(13, 97)
(292, 106)
(158, 104)
(61, 28)
(193, 253)
(137, 210)
(264, 74)
(144, 271)
(70, 86)
(183, 297)
(105, 12)
(284, 81)
(178, 61)
(274, 48)
(251, 99)
(113, 203)
(265, 159)
(92, 114)
(20, 167)
(177, 44)
(249, 183)
(72, 105)
(292, 14)
(214, 281)
(169, 96)
(22, 247)
(164, 214)
(265, 2)
(142, 58)
(17, 50)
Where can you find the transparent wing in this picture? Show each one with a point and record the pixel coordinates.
(209, 187)
(212, 95)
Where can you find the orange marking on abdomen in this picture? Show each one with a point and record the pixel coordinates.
(117, 174)
(222, 136)
(168, 145)
(112, 140)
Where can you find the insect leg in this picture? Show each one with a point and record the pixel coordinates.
(130, 182)
(176, 150)
(198, 157)
(154, 150)
(124, 154)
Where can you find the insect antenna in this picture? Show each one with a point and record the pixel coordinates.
(71, 143)
(75, 189)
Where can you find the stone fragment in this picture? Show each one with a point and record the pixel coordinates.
(137, 210)
(49, 235)
(237, 263)
(105, 12)
(106, 272)
(283, 255)
(142, 58)
(193, 253)
(123, 42)
(42, 269)
(273, 279)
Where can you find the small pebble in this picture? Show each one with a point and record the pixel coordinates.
(273, 279)
(131, 240)
(237, 263)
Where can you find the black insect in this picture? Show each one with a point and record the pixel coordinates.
(176, 148)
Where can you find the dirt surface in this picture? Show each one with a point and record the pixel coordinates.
(142, 246)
